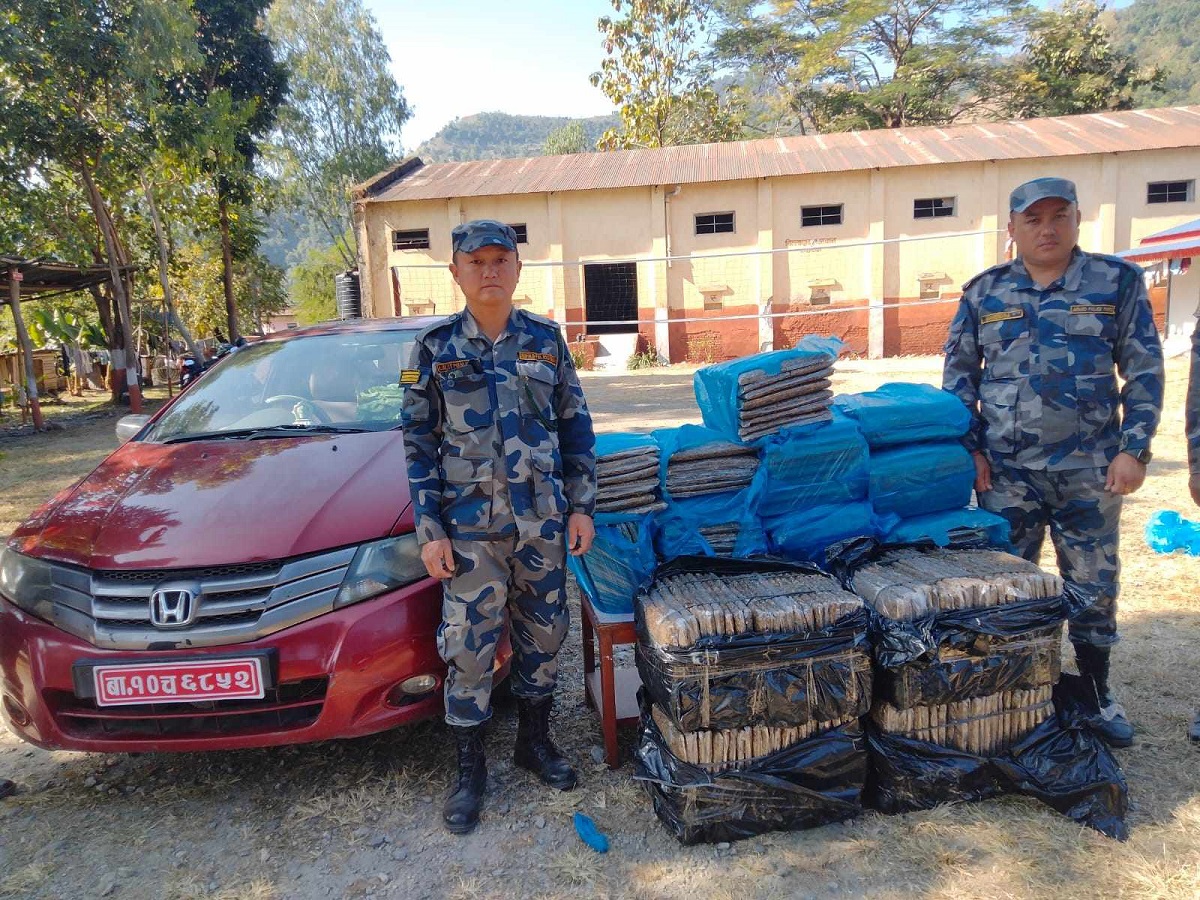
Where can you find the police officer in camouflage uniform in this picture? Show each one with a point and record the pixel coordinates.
(1034, 351)
(501, 461)
(1192, 414)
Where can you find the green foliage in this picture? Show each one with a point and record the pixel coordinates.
(1069, 66)
(647, 358)
(1162, 34)
(656, 76)
(571, 138)
(311, 285)
(496, 135)
(343, 119)
(578, 356)
(858, 64)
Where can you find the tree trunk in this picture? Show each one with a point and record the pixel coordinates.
(124, 366)
(227, 263)
(163, 262)
(14, 298)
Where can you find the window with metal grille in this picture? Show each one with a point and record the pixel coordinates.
(417, 239)
(1170, 191)
(522, 232)
(821, 215)
(933, 207)
(714, 223)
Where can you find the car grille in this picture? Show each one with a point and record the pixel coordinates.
(291, 705)
(233, 604)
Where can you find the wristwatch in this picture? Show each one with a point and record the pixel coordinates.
(1142, 456)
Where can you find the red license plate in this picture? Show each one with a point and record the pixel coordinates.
(179, 682)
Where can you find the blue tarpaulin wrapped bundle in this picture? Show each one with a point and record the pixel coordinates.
(1168, 531)
(952, 527)
(749, 398)
(806, 535)
(620, 561)
(812, 465)
(697, 461)
(626, 475)
(904, 413)
(921, 478)
(711, 525)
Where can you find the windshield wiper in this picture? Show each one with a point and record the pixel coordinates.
(264, 432)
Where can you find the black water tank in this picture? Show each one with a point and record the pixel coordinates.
(349, 295)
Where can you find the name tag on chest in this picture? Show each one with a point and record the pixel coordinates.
(1093, 309)
(1003, 316)
(532, 356)
(451, 366)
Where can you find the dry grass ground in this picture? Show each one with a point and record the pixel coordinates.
(357, 819)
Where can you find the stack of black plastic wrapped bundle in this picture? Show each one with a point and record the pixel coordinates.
(755, 675)
(969, 698)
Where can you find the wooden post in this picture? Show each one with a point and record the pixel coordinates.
(14, 299)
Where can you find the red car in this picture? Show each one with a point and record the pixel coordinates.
(241, 573)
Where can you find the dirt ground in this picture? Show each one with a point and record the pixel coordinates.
(360, 818)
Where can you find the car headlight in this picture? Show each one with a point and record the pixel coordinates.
(381, 566)
(26, 581)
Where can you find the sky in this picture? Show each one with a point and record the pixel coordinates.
(461, 57)
(455, 58)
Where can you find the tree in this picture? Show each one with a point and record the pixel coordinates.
(312, 287)
(342, 122)
(571, 138)
(1069, 65)
(839, 65)
(656, 76)
(1161, 33)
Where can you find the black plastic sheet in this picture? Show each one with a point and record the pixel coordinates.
(812, 783)
(756, 679)
(1062, 763)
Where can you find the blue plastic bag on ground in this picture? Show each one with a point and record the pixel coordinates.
(680, 529)
(716, 386)
(812, 465)
(806, 535)
(921, 478)
(1168, 531)
(951, 527)
(904, 413)
(620, 560)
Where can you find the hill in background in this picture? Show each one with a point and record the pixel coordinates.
(496, 135)
(1163, 33)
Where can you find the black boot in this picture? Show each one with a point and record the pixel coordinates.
(1194, 731)
(460, 812)
(1111, 725)
(535, 751)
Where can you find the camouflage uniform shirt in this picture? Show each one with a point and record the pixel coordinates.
(498, 436)
(1038, 367)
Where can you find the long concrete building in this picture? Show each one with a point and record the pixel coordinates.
(717, 250)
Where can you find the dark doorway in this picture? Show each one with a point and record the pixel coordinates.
(610, 296)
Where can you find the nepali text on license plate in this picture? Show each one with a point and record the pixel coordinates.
(182, 682)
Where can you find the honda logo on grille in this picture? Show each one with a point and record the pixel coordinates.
(174, 605)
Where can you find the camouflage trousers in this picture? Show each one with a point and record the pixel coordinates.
(523, 580)
(1084, 521)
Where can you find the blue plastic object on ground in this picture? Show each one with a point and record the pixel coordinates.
(921, 478)
(716, 386)
(1168, 531)
(590, 834)
(904, 413)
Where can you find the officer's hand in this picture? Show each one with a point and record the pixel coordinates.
(580, 533)
(1194, 487)
(1125, 474)
(983, 473)
(438, 557)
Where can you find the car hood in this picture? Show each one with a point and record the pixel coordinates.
(210, 503)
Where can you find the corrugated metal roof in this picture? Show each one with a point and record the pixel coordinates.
(1113, 132)
(1157, 252)
(1187, 228)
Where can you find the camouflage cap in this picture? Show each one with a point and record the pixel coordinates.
(1029, 193)
(470, 236)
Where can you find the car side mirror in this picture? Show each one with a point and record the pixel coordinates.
(128, 426)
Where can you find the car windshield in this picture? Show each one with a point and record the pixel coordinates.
(322, 383)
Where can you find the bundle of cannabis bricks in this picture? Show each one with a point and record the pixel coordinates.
(750, 668)
(996, 622)
(627, 474)
(798, 394)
